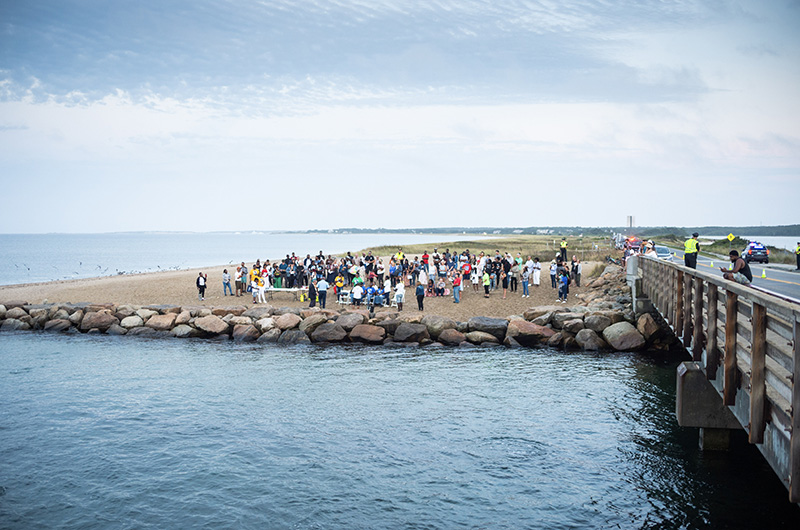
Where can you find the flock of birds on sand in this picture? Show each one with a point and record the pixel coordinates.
(99, 271)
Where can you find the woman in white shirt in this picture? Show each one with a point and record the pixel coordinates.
(400, 295)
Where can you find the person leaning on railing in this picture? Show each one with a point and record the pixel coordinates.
(740, 273)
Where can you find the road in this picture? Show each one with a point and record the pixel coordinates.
(780, 279)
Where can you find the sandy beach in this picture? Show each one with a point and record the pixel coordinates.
(178, 288)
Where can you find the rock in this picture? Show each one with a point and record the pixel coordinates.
(451, 337)
(287, 321)
(647, 326)
(211, 324)
(36, 313)
(59, 324)
(16, 312)
(3, 311)
(143, 332)
(164, 308)
(493, 326)
(240, 321)
(390, 325)
(183, 331)
(467, 345)
(133, 321)
(536, 312)
(204, 312)
(309, 324)
(528, 333)
(569, 342)
(556, 340)
(161, 322)
(481, 337)
(589, 340)
(511, 342)
(411, 318)
(270, 335)
(311, 311)
(614, 316)
(76, 317)
(99, 320)
(266, 324)
(596, 322)
(116, 329)
(61, 314)
(437, 324)
(426, 342)
(293, 336)
(410, 332)
(573, 326)
(622, 336)
(559, 318)
(348, 321)
(146, 313)
(245, 333)
(259, 312)
(368, 333)
(329, 332)
(14, 303)
(235, 310)
(12, 324)
(183, 318)
(286, 311)
(463, 327)
(125, 311)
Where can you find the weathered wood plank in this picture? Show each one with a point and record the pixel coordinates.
(686, 334)
(758, 384)
(794, 446)
(697, 334)
(712, 352)
(729, 384)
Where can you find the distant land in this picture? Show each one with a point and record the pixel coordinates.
(651, 231)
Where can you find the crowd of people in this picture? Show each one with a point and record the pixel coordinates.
(367, 279)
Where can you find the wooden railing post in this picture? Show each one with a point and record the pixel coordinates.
(687, 310)
(794, 446)
(731, 316)
(712, 350)
(697, 336)
(758, 374)
(679, 304)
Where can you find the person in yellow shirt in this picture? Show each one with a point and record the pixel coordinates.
(564, 249)
(690, 250)
(797, 253)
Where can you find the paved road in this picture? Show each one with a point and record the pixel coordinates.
(779, 279)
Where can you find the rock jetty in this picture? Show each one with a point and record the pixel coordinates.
(602, 321)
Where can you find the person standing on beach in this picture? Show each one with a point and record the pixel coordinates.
(553, 269)
(226, 283)
(312, 293)
(537, 272)
(456, 288)
(420, 292)
(400, 295)
(201, 286)
(487, 282)
(322, 292)
(563, 249)
(526, 273)
(578, 268)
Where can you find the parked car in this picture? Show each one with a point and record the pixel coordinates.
(755, 251)
(663, 253)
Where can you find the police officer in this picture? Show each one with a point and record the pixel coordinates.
(563, 249)
(690, 250)
(797, 253)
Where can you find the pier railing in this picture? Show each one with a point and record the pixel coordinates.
(747, 344)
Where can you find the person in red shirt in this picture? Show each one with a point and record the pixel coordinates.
(425, 258)
(456, 288)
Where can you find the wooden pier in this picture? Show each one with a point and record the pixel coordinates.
(746, 343)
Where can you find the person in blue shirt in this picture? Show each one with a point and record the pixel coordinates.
(322, 292)
(563, 287)
(420, 292)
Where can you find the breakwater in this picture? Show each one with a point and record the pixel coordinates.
(603, 320)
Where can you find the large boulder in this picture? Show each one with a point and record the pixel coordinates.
(293, 336)
(436, 324)
(245, 333)
(184, 331)
(329, 332)
(76, 317)
(622, 336)
(116, 329)
(350, 320)
(312, 322)
(556, 340)
(527, 333)
(184, 317)
(101, 320)
(259, 312)
(239, 321)
(13, 324)
(133, 321)
(646, 325)
(493, 326)
(573, 326)
(543, 320)
(411, 318)
(390, 325)
(3, 311)
(15, 303)
(597, 322)
(16, 312)
(143, 331)
(481, 337)
(368, 333)
(161, 322)
(270, 335)
(559, 319)
(451, 337)
(287, 321)
(589, 340)
(146, 313)
(266, 324)
(235, 310)
(536, 312)
(211, 324)
(409, 332)
(59, 324)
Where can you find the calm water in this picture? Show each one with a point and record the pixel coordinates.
(102, 432)
(46, 257)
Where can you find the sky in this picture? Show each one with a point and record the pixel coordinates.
(294, 115)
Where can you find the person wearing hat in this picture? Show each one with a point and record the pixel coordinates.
(690, 250)
(797, 253)
(564, 249)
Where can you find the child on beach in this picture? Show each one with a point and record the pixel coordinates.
(563, 287)
(487, 282)
(254, 287)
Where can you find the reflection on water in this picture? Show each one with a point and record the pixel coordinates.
(100, 432)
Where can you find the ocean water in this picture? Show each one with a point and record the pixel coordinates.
(28, 258)
(104, 432)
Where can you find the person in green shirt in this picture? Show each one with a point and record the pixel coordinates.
(487, 282)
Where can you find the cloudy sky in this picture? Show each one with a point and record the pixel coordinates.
(239, 115)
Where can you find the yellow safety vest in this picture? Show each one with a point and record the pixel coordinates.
(690, 247)
(563, 244)
(797, 250)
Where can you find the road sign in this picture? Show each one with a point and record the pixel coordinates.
(731, 237)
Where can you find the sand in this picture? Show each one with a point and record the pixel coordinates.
(178, 288)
